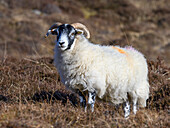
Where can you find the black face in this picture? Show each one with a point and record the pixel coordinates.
(65, 36)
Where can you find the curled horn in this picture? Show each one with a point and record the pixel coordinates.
(83, 27)
(51, 28)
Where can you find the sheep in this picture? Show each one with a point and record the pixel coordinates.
(114, 74)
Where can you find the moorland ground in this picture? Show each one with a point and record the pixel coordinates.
(31, 94)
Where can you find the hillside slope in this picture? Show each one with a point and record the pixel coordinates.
(142, 24)
(31, 94)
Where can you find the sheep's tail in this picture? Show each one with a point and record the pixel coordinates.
(143, 94)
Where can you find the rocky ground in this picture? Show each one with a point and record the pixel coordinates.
(31, 94)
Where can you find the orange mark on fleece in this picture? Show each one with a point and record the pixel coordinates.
(119, 50)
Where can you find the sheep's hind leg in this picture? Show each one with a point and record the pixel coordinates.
(91, 100)
(135, 105)
(82, 100)
(127, 109)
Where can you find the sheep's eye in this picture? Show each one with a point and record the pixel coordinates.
(54, 31)
(72, 34)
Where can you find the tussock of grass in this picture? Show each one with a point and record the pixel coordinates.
(88, 13)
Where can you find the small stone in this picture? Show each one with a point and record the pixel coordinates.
(37, 12)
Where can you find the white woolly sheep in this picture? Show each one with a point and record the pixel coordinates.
(115, 74)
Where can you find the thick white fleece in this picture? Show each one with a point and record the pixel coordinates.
(110, 73)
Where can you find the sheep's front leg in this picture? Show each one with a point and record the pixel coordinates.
(82, 100)
(127, 109)
(91, 100)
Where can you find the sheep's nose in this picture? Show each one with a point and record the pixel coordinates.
(61, 43)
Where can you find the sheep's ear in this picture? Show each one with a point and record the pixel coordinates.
(79, 31)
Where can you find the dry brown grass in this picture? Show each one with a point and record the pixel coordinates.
(21, 79)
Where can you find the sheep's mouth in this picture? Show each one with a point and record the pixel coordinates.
(61, 46)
